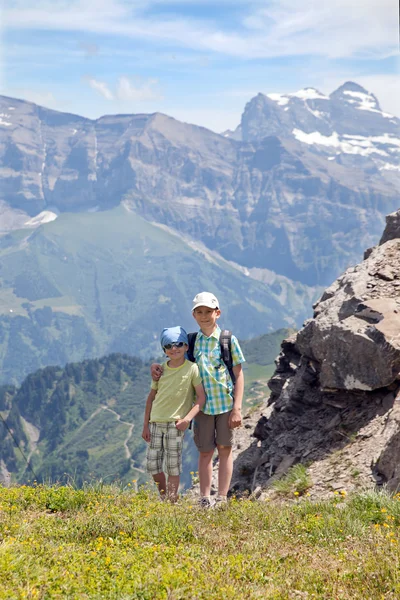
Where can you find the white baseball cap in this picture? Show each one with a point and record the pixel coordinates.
(205, 299)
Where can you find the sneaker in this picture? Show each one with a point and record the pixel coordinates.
(205, 502)
(220, 501)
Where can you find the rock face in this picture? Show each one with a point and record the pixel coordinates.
(335, 401)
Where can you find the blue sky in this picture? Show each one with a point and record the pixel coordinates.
(198, 61)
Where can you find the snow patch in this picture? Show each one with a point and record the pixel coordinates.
(309, 94)
(11, 108)
(349, 144)
(46, 216)
(375, 110)
(2, 122)
(366, 102)
(280, 99)
(317, 113)
(386, 138)
(389, 167)
(306, 94)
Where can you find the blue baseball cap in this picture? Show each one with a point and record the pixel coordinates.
(171, 335)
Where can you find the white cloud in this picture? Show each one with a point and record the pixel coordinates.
(101, 87)
(334, 29)
(126, 91)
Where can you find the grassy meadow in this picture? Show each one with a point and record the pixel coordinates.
(116, 542)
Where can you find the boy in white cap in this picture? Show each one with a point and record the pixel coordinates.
(170, 407)
(213, 426)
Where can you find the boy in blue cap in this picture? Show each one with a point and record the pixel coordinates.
(169, 409)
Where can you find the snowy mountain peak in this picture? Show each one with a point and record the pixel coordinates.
(308, 93)
(357, 96)
(348, 127)
(350, 86)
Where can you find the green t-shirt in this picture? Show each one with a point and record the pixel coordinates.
(175, 392)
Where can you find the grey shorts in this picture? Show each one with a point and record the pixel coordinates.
(212, 430)
(164, 454)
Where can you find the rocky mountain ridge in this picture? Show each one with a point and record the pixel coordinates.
(335, 401)
(291, 196)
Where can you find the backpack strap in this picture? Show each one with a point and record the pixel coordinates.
(190, 354)
(225, 340)
(192, 341)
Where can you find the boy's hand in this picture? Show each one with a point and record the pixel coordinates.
(156, 371)
(182, 424)
(146, 433)
(235, 418)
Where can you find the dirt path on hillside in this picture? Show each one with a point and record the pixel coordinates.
(33, 434)
(5, 475)
(128, 437)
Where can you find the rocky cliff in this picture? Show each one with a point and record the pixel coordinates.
(335, 401)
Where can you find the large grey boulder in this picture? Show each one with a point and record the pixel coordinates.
(355, 332)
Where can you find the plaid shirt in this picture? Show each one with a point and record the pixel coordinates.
(216, 379)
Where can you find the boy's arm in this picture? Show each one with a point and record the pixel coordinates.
(156, 370)
(147, 411)
(235, 418)
(184, 423)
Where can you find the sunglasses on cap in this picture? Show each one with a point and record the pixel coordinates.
(173, 345)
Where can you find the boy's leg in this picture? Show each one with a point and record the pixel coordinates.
(224, 438)
(225, 469)
(155, 455)
(173, 487)
(204, 438)
(161, 484)
(205, 472)
(173, 459)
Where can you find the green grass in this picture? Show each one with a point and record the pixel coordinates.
(111, 542)
(296, 482)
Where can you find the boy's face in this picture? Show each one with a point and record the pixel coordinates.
(206, 317)
(175, 352)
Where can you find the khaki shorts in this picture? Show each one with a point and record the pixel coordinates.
(164, 453)
(212, 430)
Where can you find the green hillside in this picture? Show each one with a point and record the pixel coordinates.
(260, 353)
(79, 422)
(90, 284)
(84, 421)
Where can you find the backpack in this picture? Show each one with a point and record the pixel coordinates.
(226, 351)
